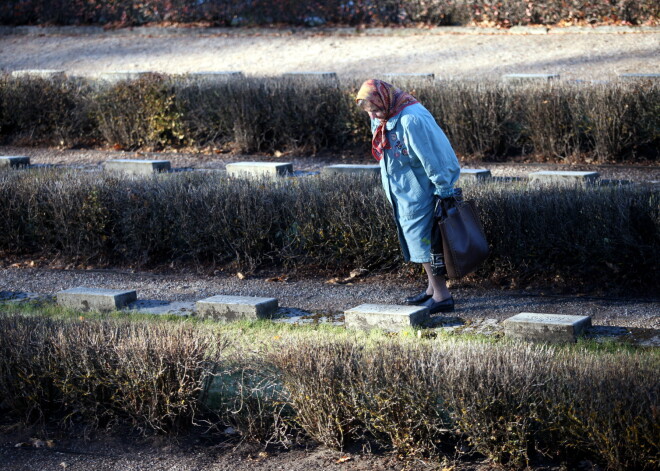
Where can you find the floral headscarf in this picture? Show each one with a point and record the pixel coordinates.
(382, 96)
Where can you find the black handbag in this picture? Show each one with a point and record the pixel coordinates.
(458, 238)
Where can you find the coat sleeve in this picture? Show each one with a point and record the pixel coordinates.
(428, 143)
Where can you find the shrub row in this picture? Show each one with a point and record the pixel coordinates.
(611, 121)
(314, 13)
(510, 402)
(583, 236)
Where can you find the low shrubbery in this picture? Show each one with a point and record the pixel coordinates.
(570, 236)
(314, 13)
(513, 403)
(489, 120)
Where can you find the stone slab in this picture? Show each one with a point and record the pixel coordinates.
(343, 169)
(423, 77)
(563, 177)
(233, 308)
(14, 161)
(526, 78)
(475, 174)
(40, 73)
(216, 76)
(137, 167)
(631, 77)
(259, 169)
(95, 299)
(312, 76)
(387, 317)
(118, 76)
(541, 327)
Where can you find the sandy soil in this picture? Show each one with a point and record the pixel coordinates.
(579, 53)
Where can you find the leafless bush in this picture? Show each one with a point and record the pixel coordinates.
(139, 113)
(573, 236)
(512, 403)
(45, 111)
(309, 12)
(508, 401)
(149, 375)
(318, 379)
(615, 121)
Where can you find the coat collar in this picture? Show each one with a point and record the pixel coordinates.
(391, 123)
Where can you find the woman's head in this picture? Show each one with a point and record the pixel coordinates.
(375, 97)
(382, 101)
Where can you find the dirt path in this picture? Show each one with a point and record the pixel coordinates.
(577, 53)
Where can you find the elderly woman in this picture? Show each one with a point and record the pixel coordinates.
(417, 166)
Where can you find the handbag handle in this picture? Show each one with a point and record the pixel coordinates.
(444, 205)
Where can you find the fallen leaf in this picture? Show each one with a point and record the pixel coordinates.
(344, 459)
(276, 279)
(240, 276)
(37, 443)
(358, 272)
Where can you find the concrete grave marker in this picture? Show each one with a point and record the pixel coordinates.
(527, 78)
(14, 161)
(409, 78)
(259, 169)
(216, 76)
(40, 73)
(344, 169)
(137, 167)
(95, 299)
(546, 327)
(475, 175)
(118, 76)
(312, 76)
(634, 77)
(387, 317)
(233, 308)
(562, 177)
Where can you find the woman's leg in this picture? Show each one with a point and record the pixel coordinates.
(437, 285)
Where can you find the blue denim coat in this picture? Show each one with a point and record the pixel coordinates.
(420, 164)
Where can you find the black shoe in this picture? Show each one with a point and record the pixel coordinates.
(418, 299)
(446, 305)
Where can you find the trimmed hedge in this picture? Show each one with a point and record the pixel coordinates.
(314, 13)
(489, 120)
(517, 404)
(579, 237)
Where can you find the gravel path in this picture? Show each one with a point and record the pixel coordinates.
(575, 53)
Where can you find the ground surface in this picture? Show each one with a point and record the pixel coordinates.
(575, 53)
(114, 454)
(582, 53)
(317, 296)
